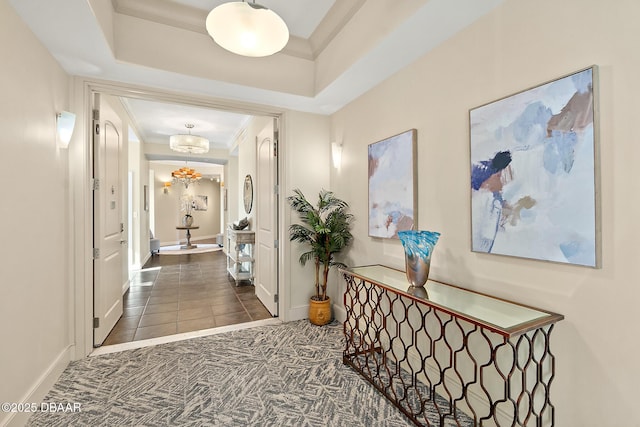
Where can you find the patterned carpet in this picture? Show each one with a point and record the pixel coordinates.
(284, 375)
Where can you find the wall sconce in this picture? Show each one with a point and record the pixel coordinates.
(65, 122)
(336, 154)
(166, 187)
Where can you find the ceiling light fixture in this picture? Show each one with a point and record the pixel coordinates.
(186, 176)
(247, 29)
(187, 143)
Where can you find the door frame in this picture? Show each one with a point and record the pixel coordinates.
(81, 200)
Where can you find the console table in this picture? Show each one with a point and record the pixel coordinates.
(449, 356)
(240, 260)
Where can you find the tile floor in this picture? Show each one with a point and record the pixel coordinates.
(184, 293)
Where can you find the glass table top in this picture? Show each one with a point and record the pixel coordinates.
(507, 317)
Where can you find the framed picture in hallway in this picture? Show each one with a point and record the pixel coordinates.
(392, 185)
(534, 172)
(200, 203)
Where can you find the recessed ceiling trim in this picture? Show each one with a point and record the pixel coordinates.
(334, 21)
(163, 12)
(193, 19)
(152, 94)
(192, 159)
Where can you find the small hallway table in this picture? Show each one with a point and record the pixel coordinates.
(188, 228)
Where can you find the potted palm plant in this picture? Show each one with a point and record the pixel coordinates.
(325, 230)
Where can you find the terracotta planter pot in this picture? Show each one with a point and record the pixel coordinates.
(320, 312)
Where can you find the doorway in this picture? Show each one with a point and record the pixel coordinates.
(91, 88)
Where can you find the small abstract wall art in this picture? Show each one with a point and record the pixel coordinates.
(533, 173)
(392, 185)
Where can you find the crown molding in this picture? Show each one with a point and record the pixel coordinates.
(334, 21)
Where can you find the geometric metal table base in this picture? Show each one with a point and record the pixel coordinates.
(442, 367)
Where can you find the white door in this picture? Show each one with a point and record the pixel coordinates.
(266, 280)
(109, 246)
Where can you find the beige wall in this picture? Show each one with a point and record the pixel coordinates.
(35, 287)
(519, 45)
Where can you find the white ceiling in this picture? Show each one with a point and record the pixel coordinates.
(157, 121)
(85, 43)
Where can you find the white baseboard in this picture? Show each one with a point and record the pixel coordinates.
(298, 313)
(477, 401)
(302, 312)
(125, 286)
(39, 389)
(146, 258)
(339, 313)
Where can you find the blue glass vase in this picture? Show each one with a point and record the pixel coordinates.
(418, 247)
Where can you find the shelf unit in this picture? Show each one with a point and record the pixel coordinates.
(445, 355)
(240, 258)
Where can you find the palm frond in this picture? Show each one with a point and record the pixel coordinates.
(307, 256)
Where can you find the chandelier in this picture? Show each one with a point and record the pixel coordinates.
(186, 176)
(187, 143)
(247, 29)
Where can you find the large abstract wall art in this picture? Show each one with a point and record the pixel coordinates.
(392, 185)
(533, 173)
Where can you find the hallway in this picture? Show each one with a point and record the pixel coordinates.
(184, 293)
